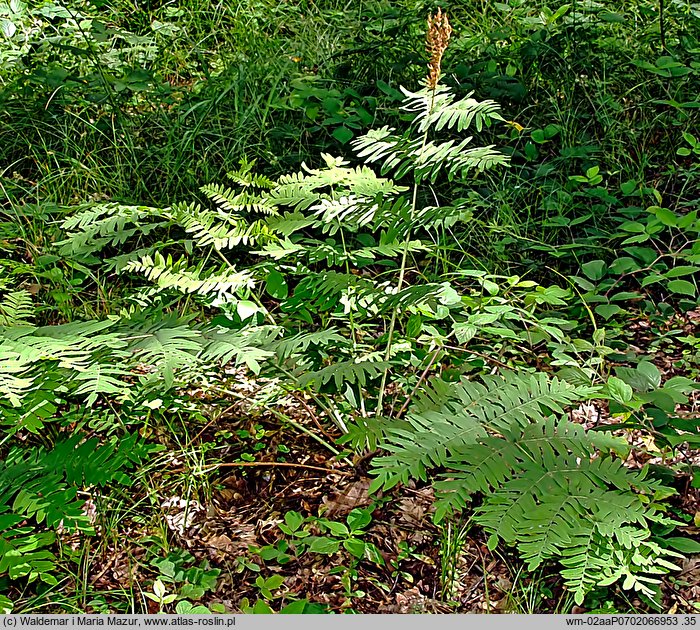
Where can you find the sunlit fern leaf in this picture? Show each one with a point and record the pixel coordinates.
(438, 110)
(93, 228)
(368, 433)
(425, 160)
(217, 230)
(238, 203)
(301, 190)
(118, 263)
(349, 209)
(176, 274)
(281, 249)
(100, 380)
(84, 357)
(290, 222)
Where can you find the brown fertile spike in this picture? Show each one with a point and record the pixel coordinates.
(437, 39)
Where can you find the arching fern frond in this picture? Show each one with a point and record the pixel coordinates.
(219, 230)
(241, 203)
(40, 487)
(16, 308)
(170, 274)
(439, 110)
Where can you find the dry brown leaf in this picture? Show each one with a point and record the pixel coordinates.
(353, 496)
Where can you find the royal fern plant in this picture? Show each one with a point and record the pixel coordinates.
(547, 486)
(318, 278)
(332, 248)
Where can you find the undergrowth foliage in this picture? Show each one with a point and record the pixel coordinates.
(329, 280)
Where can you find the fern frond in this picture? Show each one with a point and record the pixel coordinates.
(346, 209)
(446, 420)
(219, 230)
(555, 492)
(247, 346)
(41, 488)
(301, 342)
(15, 379)
(93, 228)
(344, 372)
(17, 308)
(440, 111)
(425, 161)
(242, 203)
(170, 274)
(245, 177)
(290, 222)
(167, 345)
(301, 190)
(324, 291)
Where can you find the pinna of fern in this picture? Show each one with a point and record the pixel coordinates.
(548, 487)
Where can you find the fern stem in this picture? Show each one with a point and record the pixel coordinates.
(288, 420)
(402, 270)
(353, 327)
(333, 414)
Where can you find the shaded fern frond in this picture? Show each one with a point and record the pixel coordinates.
(301, 342)
(39, 487)
(166, 344)
(345, 372)
(248, 346)
(554, 491)
(16, 308)
(448, 417)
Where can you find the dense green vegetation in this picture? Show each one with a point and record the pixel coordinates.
(300, 314)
